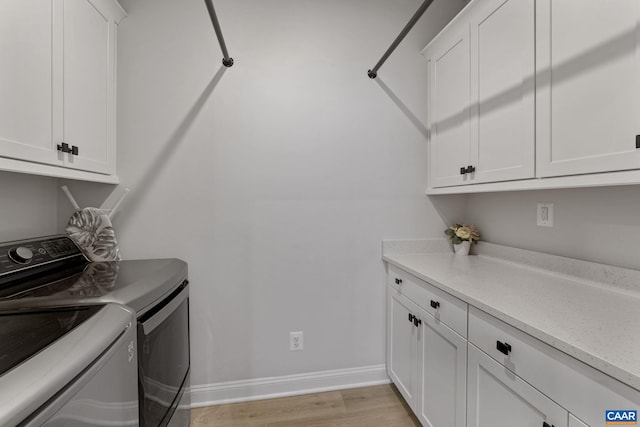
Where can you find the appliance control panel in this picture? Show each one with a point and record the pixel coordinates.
(24, 254)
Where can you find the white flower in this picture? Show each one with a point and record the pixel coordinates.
(463, 232)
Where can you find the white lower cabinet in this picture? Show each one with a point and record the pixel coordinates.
(499, 398)
(442, 367)
(427, 361)
(402, 346)
(574, 422)
(580, 389)
(458, 366)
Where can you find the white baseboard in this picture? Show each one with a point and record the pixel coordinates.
(289, 385)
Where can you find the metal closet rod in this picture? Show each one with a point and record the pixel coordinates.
(373, 73)
(227, 61)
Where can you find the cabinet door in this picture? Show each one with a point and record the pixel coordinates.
(402, 345)
(499, 398)
(26, 80)
(502, 90)
(449, 74)
(88, 85)
(574, 422)
(443, 368)
(588, 86)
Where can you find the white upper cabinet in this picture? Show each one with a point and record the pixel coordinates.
(58, 86)
(449, 72)
(588, 77)
(502, 90)
(482, 98)
(89, 57)
(26, 80)
(535, 94)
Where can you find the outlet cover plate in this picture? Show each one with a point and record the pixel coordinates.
(544, 214)
(296, 341)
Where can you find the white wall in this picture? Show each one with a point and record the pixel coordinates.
(28, 206)
(275, 179)
(593, 224)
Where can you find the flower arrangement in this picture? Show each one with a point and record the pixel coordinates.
(459, 233)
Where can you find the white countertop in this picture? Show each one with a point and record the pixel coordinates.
(596, 323)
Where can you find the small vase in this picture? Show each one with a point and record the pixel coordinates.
(462, 248)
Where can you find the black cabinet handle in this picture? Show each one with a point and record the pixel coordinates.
(463, 170)
(398, 281)
(416, 321)
(74, 150)
(503, 348)
(64, 147)
(471, 169)
(410, 317)
(546, 424)
(435, 304)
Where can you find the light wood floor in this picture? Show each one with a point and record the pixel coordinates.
(377, 406)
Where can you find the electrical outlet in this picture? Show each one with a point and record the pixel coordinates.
(545, 214)
(296, 341)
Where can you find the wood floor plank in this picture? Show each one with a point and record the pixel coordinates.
(262, 412)
(385, 417)
(371, 398)
(375, 406)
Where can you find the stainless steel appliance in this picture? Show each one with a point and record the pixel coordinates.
(163, 361)
(68, 366)
(52, 271)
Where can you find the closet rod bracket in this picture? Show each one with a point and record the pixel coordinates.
(373, 73)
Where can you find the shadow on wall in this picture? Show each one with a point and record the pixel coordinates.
(451, 208)
(405, 110)
(598, 56)
(172, 144)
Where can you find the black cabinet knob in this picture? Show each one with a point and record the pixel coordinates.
(435, 304)
(503, 348)
(398, 281)
(74, 150)
(470, 169)
(546, 424)
(64, 147)
(416, 321)
(463, 170)
(410, 317)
